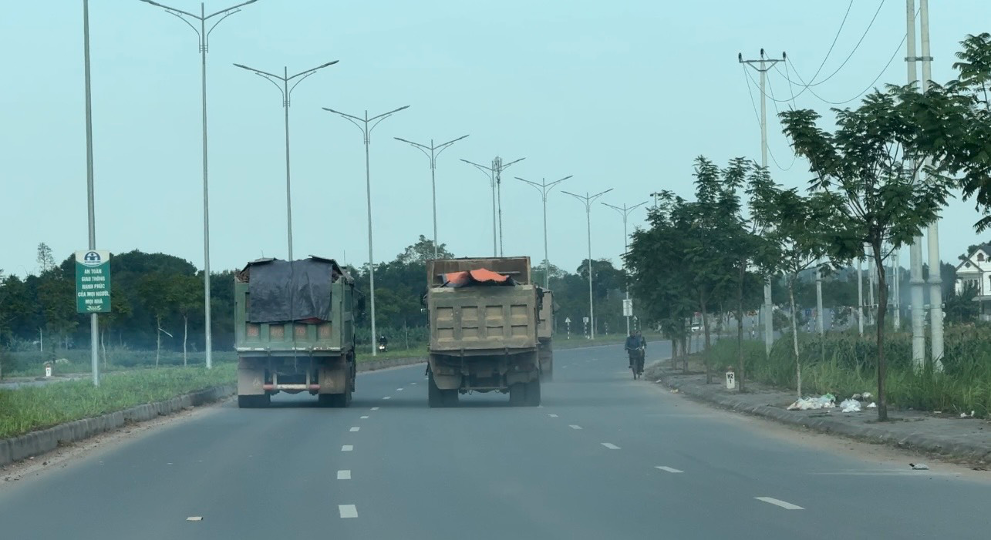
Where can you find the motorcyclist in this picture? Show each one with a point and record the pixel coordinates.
(383, 341)
(634, 343)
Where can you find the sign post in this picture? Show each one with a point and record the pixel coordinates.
(93, 282)
(567, 322)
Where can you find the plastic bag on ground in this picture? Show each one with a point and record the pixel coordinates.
(850, 406)
(821, 402)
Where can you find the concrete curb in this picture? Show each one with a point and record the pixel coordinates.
(942, 446)
(44, 441)
(47, 440)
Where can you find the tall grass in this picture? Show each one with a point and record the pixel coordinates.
(844, 364)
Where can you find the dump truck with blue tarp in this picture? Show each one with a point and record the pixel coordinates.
(294, 331)
(483, 315)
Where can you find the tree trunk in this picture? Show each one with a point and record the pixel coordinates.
(185, 335)
(158, 339)
(794, 332)
(882, 304)
(739, 328)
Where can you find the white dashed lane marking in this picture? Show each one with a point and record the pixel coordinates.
(576, 427)
(669, 470)
(355, 428)
(610, 446)
(348, 511)
(779, 503)
(399, 389)
(347, 448)
(343, 474)
(364, 416)
(552, 415)
(386, 397)
(375, 408)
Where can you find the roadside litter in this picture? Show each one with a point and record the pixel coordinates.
(825, 401)
(964, 415)
(919, 466)
(872, 405)
(850, 405)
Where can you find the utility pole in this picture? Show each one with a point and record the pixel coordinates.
(434, 152)
(935, 278)
(366, 131)
(916, 282)
(204, 40)
(94, 322)
(764, 65)
(625, 211)
(286, 91)
(820, 316)
(871, 277)
(495, 179)
(587, 200)
(544, 188)
(860, 295)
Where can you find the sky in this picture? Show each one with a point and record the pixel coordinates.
(622, 95)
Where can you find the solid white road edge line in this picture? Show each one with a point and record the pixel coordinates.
(777, 502)
(669, 470)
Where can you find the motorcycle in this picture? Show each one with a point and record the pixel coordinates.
(637, 360)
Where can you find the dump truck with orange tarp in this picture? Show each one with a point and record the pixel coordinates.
(483, 316)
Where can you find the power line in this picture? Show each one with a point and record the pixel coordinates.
(808, 86)
(855, 48)
(778, 111)
(831, 46)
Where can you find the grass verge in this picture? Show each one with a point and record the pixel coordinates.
(844, 364)
(35, 408)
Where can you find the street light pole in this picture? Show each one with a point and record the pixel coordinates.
(544, 188)
(286, 91)
(366, 131)
(434, 153)
(495, 178)
(204, 41)
(94, 322)
(587, 200)
(625, 211)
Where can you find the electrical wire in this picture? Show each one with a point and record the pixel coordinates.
(778, 111)
(855, 48)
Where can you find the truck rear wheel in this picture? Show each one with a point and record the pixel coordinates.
(533, 393)
(517, 394)
(435, 397)
(245, 401)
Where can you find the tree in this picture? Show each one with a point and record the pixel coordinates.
(869, 168)
(797, 228)
(46, 261)
(967, 148)
(187, 295)
(961, 308)
(157, 296)
(659, 278)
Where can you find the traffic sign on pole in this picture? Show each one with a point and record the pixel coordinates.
(627, 307)
(92, 281)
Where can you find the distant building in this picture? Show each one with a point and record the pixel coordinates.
(975, 270)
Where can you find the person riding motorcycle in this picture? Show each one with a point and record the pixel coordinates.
(383, 342)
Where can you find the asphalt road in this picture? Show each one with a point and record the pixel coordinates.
(604, 457)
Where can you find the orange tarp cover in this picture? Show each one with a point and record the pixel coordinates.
(458, 279)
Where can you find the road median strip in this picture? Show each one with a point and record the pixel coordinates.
(38, 442)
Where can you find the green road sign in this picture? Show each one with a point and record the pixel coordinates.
(92, 281)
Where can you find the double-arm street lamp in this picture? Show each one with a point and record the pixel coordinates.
(544, 188)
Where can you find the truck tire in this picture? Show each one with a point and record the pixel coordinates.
(517, 394)
(533, 393)
(435, 397)
(253, 401)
